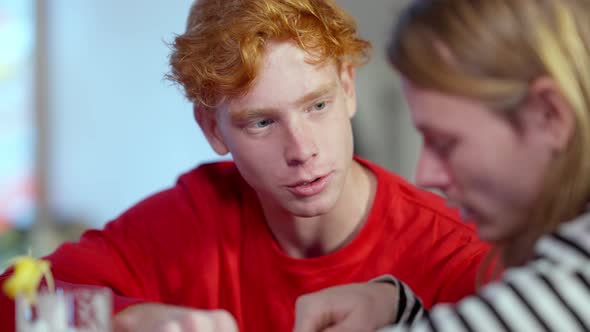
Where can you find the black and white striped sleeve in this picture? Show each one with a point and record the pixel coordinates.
(410, 307)
(540, 299)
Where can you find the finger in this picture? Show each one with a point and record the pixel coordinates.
(354, 322)
(224, 321)
(168, 326)
(338, 328)
(306, 319)
(348, 325)
(309, 326)
(312, 319)
(198, 321)
(122, 324)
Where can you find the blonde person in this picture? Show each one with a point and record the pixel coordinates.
(500, 91)
(233, 244)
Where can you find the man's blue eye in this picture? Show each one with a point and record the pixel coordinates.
(319, 106)
(263, 123)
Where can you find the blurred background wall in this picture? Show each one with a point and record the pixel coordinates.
(109, 130)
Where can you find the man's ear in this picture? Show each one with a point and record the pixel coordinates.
(208, 122)
(549, 112)
(347, 80)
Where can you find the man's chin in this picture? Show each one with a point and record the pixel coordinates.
(311, 210)
(307, 214)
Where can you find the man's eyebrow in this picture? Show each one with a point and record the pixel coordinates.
(244, 115)
(318, 92)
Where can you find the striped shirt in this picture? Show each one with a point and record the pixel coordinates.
(550, 293)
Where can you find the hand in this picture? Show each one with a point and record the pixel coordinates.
(353, 307)
(150, 317)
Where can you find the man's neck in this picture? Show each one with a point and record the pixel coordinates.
(312, 237)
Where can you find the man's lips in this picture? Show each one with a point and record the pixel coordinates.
(304, 182)
(309, 187)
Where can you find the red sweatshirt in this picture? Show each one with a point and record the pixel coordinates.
(204, 243)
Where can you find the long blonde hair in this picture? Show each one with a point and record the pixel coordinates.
(496, 48)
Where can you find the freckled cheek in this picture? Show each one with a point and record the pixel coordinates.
(335, 132)
(336, 142)
(262, 175)
(255, 155)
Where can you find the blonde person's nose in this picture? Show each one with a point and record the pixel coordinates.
(431, 172)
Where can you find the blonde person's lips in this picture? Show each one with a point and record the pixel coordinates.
(466, 213)
(309, 187)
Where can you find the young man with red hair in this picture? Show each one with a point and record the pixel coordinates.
(272, 83)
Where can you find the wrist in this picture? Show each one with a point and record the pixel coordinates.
(386, 290)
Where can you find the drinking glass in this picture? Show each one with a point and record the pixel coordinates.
(77, 309)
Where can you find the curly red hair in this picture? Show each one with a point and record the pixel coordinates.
(219, 54)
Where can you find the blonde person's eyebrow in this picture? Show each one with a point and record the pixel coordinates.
(245, 115)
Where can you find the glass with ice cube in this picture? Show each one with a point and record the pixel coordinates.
(77, 309)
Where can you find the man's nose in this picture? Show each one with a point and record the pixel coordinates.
(300, 143)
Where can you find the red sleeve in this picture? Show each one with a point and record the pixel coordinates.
(459, 266)
(97, 259)
(444, 252)
(453, 260)
(135, 255)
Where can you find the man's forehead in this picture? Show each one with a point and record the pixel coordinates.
(282, 95)
(287, 99)
(309, 55)
(286, 74)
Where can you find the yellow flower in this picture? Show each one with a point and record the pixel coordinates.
(26, 277)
